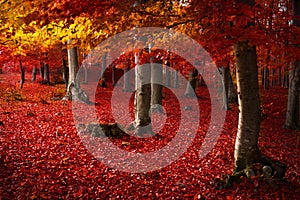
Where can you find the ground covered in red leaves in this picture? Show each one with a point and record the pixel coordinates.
(42, 156)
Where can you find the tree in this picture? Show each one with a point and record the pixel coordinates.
(292, 115)
(142, 123)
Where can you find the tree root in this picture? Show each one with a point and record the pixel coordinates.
(265, 169)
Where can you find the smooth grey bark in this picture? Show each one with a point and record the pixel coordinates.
(176, 79)
(292, 114)
(22, 69)
(190, 90)
(156, 87)
(246, 145)
(142, 123)
(103, 67)
(74, 92)
(224, 74)
(232, 96)
(126, 87)
(34, 72)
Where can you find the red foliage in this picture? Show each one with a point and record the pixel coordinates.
(42, 157)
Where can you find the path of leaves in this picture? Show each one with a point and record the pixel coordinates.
(42, 157)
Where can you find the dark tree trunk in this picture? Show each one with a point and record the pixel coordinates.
(127, 87)
(168, 74)
(292, 114)
(190, 90)
(46, 74)
(113, 75)
(274, 78)
(42, 70)
(22, 69)
(65, 73)
(34, 72)
(285, 82)
(156, 88)
(266, 81)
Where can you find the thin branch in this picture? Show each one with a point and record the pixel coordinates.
(179, 23)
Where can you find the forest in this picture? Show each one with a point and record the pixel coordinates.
(149, 99)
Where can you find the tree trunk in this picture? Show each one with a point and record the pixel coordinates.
(246, 145)
(168, 75)
(22, 75)
(103, 67)
(224, 75)
(34, 72)
(74, 92)
(190, 90)
(176, 79)
(126, 87)
(232, 96)
(292, 114)
(142, 99)
(65, 73)
(113, 75)
(46, 74)
(266, 78)
(156, 88)
(42, 70)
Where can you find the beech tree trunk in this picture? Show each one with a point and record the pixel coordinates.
(225, 86)
(190, 90)
(42, 70)
(232, 96)
(168, 74)
(126, 87)
(156, 87)
(292, 115)
(74, 92)
(142, 123)
(176, 79)
(246, 145)
(34, 72)
(22, 69)
(65, 73)
(46, 74)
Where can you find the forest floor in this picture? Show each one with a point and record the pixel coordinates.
(42, 155)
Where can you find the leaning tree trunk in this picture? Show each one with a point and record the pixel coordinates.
(22, 75)
(74, 92)
(156, 88)
(246, 145)
(142, 123)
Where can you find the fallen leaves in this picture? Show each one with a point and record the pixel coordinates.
(42, 157)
